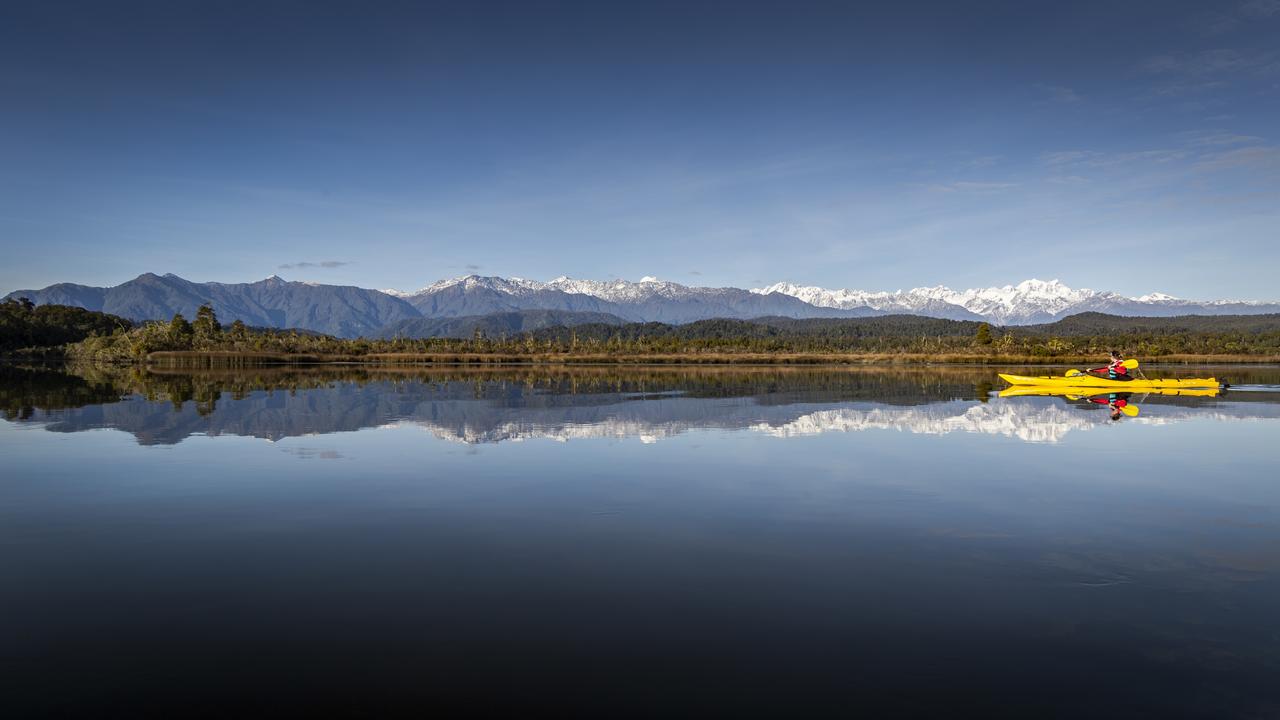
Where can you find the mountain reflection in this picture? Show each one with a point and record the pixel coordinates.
(494, 405)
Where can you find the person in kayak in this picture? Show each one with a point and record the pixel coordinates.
(1115, 369)
(1115, 402)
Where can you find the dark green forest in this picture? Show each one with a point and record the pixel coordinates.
(94, 336)
(24, 325)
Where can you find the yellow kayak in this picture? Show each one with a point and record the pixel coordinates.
(1077, 391)
(1092, 381)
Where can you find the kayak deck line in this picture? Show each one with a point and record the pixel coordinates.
(1090, 381)
(1087, 392)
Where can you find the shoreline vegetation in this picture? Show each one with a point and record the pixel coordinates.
(233, 359)
(52, 333)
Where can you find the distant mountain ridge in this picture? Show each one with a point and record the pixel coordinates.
(349, 311)
(650, 300)
(1027, 303)
(340, 310)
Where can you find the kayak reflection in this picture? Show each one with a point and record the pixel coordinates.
(1118, 404)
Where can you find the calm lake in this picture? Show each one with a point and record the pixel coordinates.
(646, 541)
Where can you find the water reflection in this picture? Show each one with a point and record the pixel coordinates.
(495, 405)
(797, 542)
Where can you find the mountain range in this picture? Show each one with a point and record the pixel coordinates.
(1029, 302)
(349, 311)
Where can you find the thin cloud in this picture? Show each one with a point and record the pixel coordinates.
(1094, 159)
(695, 272)
(1201, 151)
(1177, 89)
(1261, 156)
(1059, 93)
(326, 264)
(1221, 25)
(1261, 8)
(473, 267)
(1066, 157)
(965, 186)
(1213, 139)
(984, 161)
(1209, 62)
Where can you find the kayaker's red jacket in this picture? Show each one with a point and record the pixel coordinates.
(1114, 368)
(1118, 402)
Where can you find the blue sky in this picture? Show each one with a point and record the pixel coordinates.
(1124, 146)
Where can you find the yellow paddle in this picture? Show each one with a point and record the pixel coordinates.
(1130, 410)
(1131, 364)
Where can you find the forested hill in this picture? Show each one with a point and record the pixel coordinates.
(1093, 323)
(899, 326)
(502, 324)
(24, 325)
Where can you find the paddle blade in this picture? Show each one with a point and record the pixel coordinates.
(1130, 363)
(1130, 410)
(1074, 373)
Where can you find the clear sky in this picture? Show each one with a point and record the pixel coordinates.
(1129, 146)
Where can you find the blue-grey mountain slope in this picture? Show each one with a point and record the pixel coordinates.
(343, 311)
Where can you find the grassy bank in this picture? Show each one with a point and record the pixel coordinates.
(226, 359)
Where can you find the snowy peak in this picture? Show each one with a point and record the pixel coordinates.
(650, 298)
(1030, 301)
(1043, 288)
(623, 291)
(513, 285)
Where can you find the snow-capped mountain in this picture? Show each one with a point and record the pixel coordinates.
(353, 311)
(1028, 302)
(649, 300)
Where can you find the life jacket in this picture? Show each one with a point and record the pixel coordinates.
(1116, 368)
(1110, 400)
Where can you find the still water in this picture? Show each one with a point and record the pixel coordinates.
(633, 542)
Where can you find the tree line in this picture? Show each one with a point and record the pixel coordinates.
(24, 324)
(97, 336)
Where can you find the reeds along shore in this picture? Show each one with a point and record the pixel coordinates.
(229, 359)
